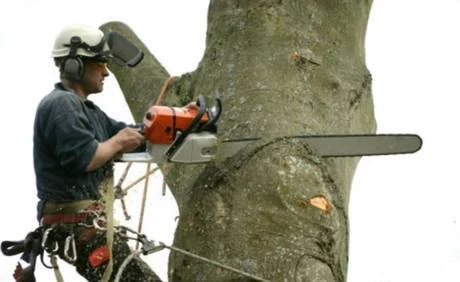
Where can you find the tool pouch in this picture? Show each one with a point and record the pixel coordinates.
(30, 248)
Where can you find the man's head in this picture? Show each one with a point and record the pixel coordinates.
(81, 52)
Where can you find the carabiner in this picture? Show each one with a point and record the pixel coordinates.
(70, 248)
(45, 242)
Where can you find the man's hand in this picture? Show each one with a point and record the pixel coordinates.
(126, 140)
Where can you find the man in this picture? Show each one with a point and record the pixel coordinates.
(74, 143)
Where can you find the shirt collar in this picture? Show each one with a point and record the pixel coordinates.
(87, 102)
(61, 86)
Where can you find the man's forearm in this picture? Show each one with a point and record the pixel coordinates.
(104, 152)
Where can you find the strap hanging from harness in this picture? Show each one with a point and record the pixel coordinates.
(57, 272)
(31, 248)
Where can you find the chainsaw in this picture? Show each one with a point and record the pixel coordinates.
(189, 135)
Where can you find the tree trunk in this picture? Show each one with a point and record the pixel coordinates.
(281, 68)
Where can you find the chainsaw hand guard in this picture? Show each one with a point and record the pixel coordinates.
(214, 115)
(195, 125)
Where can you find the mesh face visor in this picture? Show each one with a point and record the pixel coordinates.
(122, 51)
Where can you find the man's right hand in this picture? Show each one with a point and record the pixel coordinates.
(126, 140)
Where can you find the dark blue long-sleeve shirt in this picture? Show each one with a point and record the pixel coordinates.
(67, 130)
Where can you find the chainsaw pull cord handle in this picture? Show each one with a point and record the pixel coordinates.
(193, 125)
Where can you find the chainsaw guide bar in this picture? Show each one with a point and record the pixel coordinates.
(345, 145)
(204, 147)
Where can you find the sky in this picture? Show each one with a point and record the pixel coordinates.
(404, 211)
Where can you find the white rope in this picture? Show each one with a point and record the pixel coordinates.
(125, 263)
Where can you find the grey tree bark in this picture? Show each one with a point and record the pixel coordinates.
(281, 68)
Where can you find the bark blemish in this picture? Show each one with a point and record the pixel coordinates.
(319, 201)
(303, 56)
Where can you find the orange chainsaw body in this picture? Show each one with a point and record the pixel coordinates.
(161, 123)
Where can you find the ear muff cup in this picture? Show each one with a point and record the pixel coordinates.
(72, 68)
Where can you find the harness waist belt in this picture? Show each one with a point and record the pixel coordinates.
(70, 207)
(65, 218)
(73, 212)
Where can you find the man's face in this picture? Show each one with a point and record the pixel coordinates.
(93, 78)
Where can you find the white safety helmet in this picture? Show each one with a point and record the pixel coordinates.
(92, 42)
(77, 41)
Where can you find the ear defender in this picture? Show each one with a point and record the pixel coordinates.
(72, 67)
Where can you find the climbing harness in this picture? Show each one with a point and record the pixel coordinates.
(56, 236)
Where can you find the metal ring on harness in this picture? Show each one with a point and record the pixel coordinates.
(94, 223)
